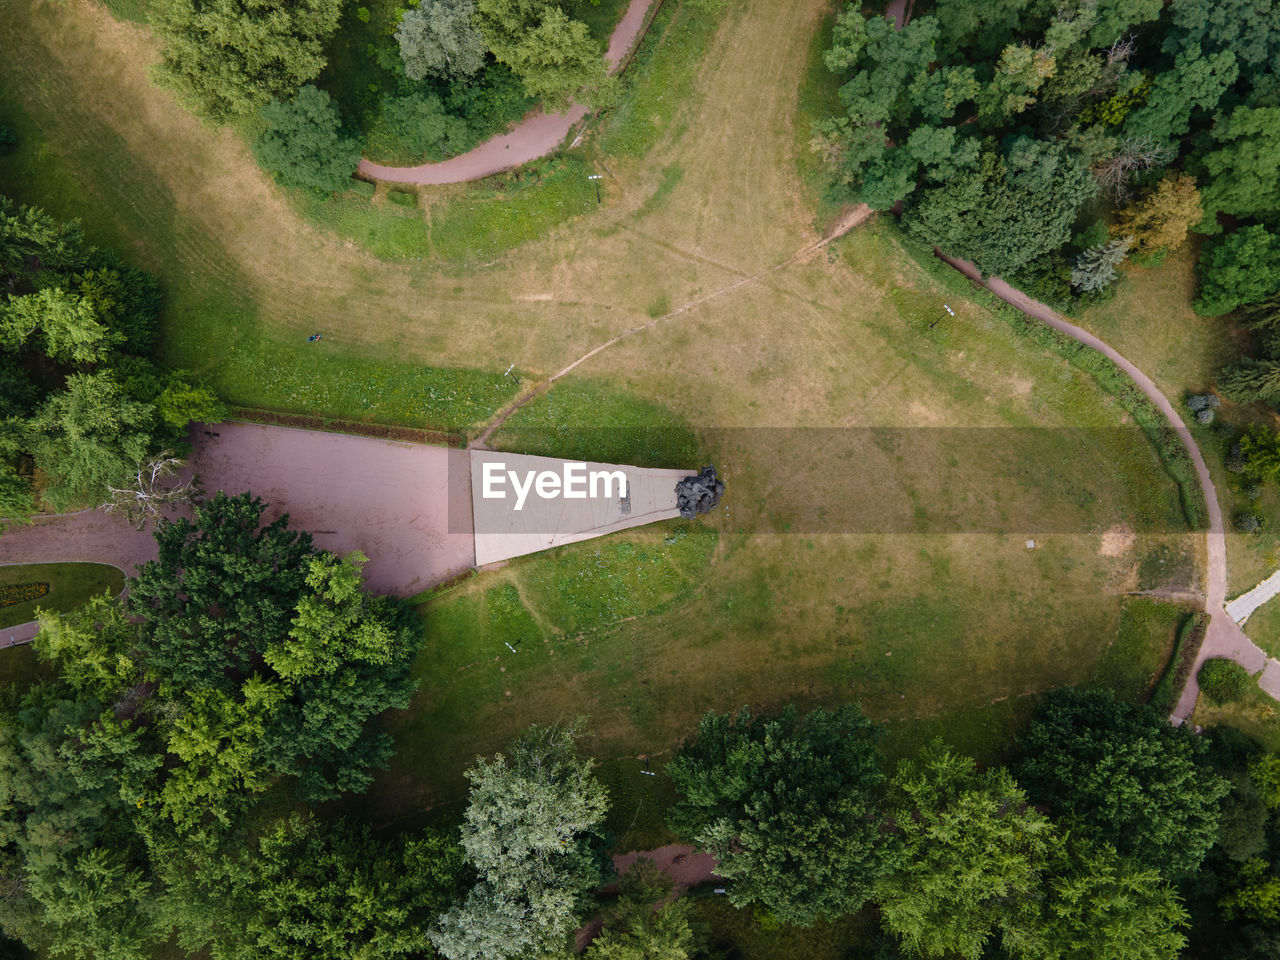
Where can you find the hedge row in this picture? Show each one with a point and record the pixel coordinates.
(1185, 650)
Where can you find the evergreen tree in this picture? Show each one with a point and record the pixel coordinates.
(1248, 380)
(1095, 268)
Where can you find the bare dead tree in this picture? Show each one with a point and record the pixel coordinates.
(1121, 50)
(1131, 157)
(155, 488)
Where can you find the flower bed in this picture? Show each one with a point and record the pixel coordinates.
(21, 593)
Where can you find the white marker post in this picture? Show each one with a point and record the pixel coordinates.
(597, 178)
(943, 317)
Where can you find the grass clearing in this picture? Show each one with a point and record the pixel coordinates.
(659, 81)
(70, 585)
(462, 222)
(593, 420)
(325, 379)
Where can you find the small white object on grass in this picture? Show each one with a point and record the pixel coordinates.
(1031, 544)
(648, 773)
(509, 369)
(510, 647)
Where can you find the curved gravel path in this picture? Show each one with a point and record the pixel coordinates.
(1224, 637)
(534, 137)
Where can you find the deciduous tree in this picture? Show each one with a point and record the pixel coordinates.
(1118, 774)
(1160, 219)
(438, 38)
(231, 57)
(787, 805)
(972, 851)
(528, 825)
(1241, 268)
(303, 144)
(1095, 904)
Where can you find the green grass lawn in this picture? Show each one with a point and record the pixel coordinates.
(589, 420)
(1263, 627)
(464, 223)
(70, 585)
(20, 667)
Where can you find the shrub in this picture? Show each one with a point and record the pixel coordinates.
(1251, 491)
(403, 197)
(363, 188)
(1204, 416)
(8, 139)
(1248, 522)
(1222, 680)
(1197, 402)
(1235, 459)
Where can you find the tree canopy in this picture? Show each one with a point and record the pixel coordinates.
(303, 144)
(439, 38)
(1123, 776)
(528, 832)
(787, 804)
(972, 849)
(78, 392)
(553, 54)
(231, 57)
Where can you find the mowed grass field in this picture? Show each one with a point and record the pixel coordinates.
(808, 375)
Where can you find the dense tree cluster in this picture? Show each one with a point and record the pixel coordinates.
(1006, 129)
(957, 858)
(80, 399)
(244, 664)
(455, 72)
(145, 796)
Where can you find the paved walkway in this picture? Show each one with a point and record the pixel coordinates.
(536, 136)
(407, 506)
(1224, 637)
(1243, 606)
